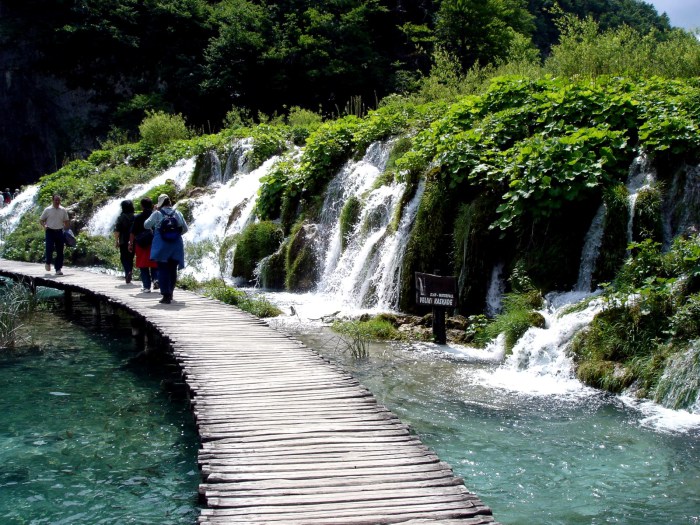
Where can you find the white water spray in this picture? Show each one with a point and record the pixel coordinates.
(103, 220)
(11, 214)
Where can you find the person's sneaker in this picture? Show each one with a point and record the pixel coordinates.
(145, 290)
(128, 278)
(47, 267)
(165, 300)
(156, 286)
(59, 272)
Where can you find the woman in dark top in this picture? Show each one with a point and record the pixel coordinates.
(122, 231)
(140, 243)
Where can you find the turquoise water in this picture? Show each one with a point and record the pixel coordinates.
(88, 437)
(581, 457)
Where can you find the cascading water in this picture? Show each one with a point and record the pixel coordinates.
(681, 210)
(353, 180)
(641, 177)
(238, 159)
(591, 249)
(11, 214)
(539, 363)
(366, 272)
(223, 213)
(387, 275)
(496, 289)
(102, 221)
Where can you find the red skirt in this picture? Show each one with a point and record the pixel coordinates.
(143, 258)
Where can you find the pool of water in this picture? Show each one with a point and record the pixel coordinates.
(533, 453)
(89, 436)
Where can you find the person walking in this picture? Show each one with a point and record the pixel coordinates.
(167, 249)
(122, 231)
(54, 220)
(140, 241)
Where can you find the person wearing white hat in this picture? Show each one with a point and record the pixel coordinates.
(167, 249)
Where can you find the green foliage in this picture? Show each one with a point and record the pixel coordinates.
(159, 128)
(267, 141)
(613, 245)
(237, 118)
(256, 241)
(325, 151)
(584, 50)
(651, 308)
(518, 315)
(26, 242)
(280, 181)
(375, 328)
(302, 122)
(648, 219)
(256, 305)
(538, 144)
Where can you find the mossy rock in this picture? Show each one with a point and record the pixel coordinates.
(255, 242)
(273, 271)
(349, 216)
(606, 375)
(301, 267)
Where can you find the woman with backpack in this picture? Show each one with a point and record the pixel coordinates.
(167, 250)
(140, 242)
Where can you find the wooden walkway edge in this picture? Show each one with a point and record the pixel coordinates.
(287, 437)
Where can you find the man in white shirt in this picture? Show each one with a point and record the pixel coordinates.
(54, 220)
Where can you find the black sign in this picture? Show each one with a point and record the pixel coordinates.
(435, 290)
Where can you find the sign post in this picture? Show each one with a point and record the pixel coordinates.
(440, 293)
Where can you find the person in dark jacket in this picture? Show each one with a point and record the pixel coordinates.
(140, 243)
(122, 231)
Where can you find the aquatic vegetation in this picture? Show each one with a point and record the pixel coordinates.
(17, 302)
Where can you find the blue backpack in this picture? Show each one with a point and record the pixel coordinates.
(169, 229)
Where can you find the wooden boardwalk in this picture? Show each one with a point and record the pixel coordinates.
(287, 437)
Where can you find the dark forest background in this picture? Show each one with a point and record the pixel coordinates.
(78, 71)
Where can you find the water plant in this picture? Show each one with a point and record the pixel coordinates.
(17, 302)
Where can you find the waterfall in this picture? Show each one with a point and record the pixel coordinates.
(237, 161)
(353, 180)
(11, 214)
(539, 363)
(215, 162)
(682, 206)
(388, 271)
(366, 272)
(226, 210)
(496, 289)
(591, 249)
(679, 387)
(102, 221)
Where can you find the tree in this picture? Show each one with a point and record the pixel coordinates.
(479, 31)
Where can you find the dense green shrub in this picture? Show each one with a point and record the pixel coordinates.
(267, 141)
(648, 218)
(159, 128)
